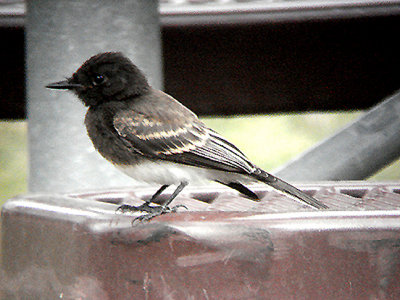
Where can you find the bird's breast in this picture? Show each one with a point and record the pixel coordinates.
(106, 140)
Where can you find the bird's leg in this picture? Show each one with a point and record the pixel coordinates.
(145, 206)
(179, 189)
(158, 193)
(154, 211)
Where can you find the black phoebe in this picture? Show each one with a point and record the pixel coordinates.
(153, 138)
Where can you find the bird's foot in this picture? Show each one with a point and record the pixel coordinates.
(144, 207)
(151, 211)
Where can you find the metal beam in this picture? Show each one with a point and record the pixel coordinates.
(356, 152)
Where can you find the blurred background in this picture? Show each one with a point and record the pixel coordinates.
(273, 76)
(269, 141)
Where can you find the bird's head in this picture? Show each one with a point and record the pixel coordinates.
(105, 77)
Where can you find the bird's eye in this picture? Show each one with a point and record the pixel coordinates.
(98, 79)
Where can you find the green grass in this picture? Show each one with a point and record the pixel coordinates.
(13, 159)
(269, 141)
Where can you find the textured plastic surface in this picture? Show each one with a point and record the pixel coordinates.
(77, 247)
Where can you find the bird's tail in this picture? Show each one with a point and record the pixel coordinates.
(285, 187)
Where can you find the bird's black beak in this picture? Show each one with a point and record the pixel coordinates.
(63, 85)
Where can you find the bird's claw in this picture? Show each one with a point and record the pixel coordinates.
(144, 207)
(151, 211)
(175, 208)
(125, 207)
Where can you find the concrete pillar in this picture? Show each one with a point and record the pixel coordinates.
(61, 35)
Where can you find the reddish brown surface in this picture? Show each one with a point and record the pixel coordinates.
(231, 248)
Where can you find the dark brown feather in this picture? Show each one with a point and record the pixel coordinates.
(171, 132)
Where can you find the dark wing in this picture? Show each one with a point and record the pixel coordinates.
(181, 138)
(154, 137)
(219, 151)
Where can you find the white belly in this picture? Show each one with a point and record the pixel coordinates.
(164, 173)
(172, 173)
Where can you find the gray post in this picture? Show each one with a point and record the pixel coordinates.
(354, 153)
(60, 36)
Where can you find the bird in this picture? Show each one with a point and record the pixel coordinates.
(150, 136)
